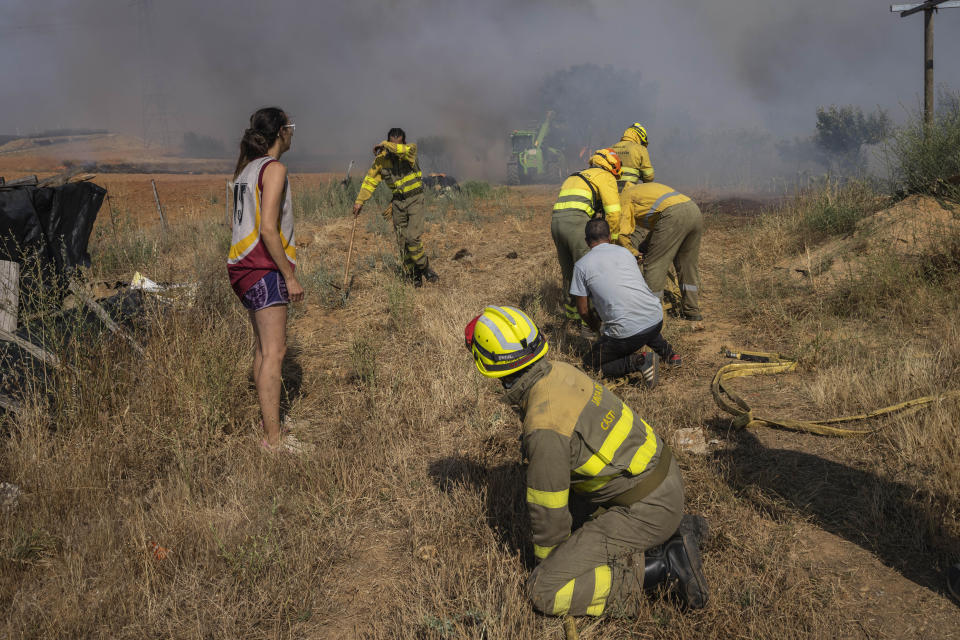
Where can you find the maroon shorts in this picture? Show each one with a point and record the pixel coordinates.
(268, 291)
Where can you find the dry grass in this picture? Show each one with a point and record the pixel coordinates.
(409, 519)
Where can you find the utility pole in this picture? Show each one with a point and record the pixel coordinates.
(928, 8)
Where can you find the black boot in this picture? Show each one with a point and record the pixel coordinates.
(430, 275)
(417, 277)
(677, 560)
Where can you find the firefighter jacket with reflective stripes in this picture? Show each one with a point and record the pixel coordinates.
(634, 159)
(643, 204)
(397, 166)
(576, 435)
(597, 188)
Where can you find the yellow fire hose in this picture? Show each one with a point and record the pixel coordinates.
(762, 363)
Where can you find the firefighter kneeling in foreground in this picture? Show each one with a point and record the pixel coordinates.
(578, 435)
(396, 164)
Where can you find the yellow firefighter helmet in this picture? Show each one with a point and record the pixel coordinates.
(606, 159)
(504, 340)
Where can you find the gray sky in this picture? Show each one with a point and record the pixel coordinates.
(347, 71)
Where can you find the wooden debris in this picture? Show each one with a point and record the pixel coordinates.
(9, 295)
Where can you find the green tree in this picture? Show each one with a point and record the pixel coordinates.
(926, 158)
(843, 131)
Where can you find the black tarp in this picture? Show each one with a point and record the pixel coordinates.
(51, 223)
(46, 230)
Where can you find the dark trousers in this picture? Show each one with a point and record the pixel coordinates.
(612, 355)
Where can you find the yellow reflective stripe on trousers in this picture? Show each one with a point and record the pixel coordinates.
(602, 577)
(561, 602)
(548, 499)
(542, 552)
(618, 433)
(643, 455)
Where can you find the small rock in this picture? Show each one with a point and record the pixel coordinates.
(513, 255)
(691, 440)
(9, 496)
(463, 253)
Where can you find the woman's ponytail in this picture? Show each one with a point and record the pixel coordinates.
(265, 127)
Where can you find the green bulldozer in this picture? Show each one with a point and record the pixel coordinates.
(531, 161)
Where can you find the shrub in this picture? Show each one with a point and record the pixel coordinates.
(476, 189)
(927, 159)
(836, 208)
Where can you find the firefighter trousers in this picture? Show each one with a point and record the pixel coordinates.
(567, 229)
(675, 240)
(612, 355)
(408, 224)
(599, 568)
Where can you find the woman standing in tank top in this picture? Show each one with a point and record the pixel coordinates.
(263, 257)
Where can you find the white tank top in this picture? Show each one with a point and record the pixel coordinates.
(246, 249)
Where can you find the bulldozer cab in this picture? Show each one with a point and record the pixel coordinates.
(531, 160)
(520, 141)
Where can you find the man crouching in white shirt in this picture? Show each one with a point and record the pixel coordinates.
(626, 314)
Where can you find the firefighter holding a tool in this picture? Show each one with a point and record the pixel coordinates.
(395, 163)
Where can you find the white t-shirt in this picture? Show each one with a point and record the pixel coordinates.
(609, 275)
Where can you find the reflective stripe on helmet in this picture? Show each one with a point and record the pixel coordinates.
(505, 344)
(532, 336)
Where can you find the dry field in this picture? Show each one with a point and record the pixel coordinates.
(408, 520)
